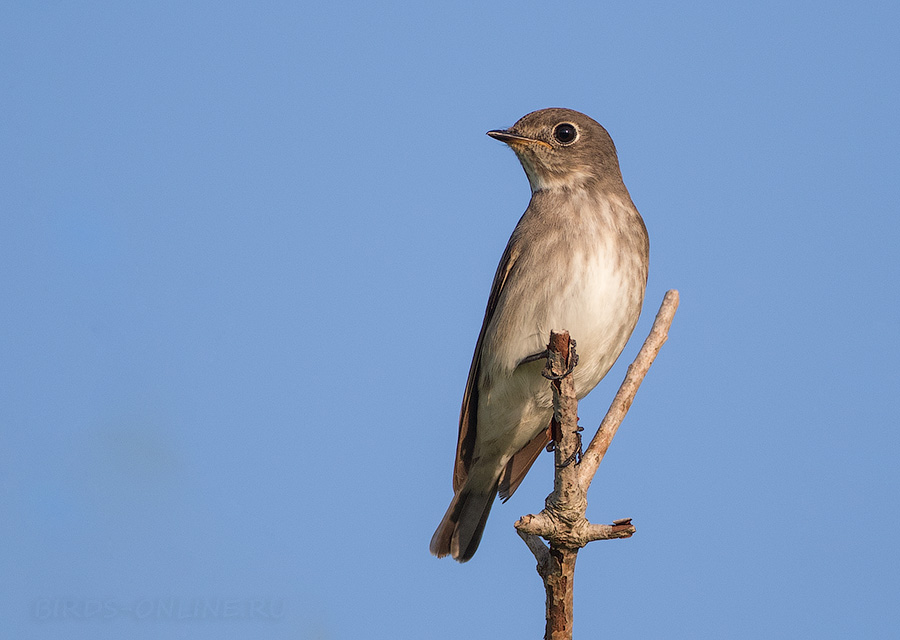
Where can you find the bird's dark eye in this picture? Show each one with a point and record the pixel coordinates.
(565, 133)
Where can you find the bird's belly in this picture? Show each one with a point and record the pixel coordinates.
(600, 319)
(598, 305)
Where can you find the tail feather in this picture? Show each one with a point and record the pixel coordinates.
(460, 531)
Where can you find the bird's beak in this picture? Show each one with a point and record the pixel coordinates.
(514, 139)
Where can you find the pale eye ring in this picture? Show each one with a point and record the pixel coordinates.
(565, 133)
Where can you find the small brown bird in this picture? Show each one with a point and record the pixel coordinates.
(577, 261)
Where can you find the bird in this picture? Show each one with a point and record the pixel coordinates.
(577, 261)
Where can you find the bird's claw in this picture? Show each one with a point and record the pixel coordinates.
(573, 362)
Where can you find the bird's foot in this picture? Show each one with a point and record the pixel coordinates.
(575, 456)
(573, 362)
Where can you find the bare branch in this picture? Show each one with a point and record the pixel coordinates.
(538, 548)
(562, 520)
(659, 333)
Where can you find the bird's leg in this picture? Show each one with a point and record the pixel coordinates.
(534, 357)
(575, 455)
(554, 426)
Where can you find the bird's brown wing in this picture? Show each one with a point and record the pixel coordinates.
(520, 463)
(468, 415)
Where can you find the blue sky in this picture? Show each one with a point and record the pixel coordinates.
(244, 256)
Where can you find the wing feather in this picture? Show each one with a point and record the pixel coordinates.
(468, 415)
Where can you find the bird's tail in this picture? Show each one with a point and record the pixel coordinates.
(460, 531)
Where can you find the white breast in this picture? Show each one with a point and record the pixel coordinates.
(584, 282)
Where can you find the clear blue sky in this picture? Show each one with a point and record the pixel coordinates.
(245, 252)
